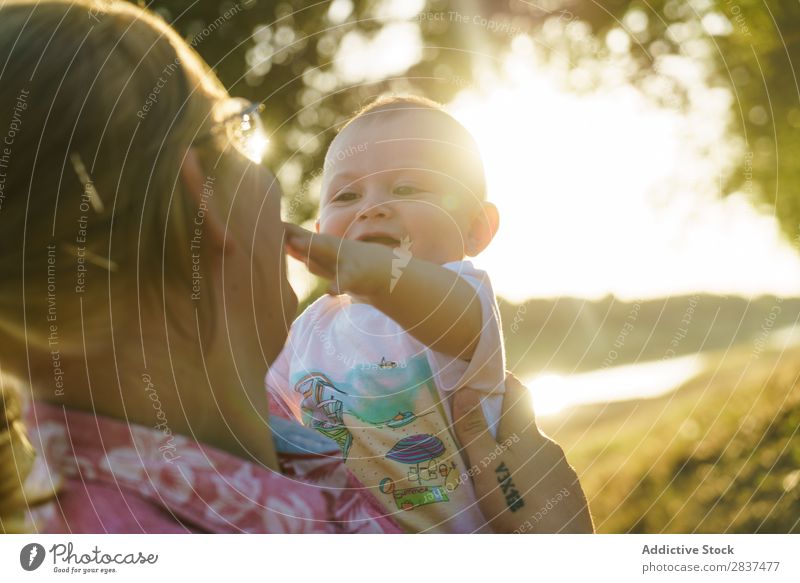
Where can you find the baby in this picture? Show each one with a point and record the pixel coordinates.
(407, 320)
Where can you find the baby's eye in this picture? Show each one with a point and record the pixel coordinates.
(406, 190)
(345, 197)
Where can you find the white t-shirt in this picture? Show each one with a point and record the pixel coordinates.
(353, 374)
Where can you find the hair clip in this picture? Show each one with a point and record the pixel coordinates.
(86, 181)
(91, 257)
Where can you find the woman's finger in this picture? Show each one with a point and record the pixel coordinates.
(470, 424)
(518, 416)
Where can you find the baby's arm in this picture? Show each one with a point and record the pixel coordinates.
(434, 304)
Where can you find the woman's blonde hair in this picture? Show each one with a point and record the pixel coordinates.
(99, 102)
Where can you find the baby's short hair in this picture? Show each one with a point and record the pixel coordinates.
(398, 102)
(460, 137)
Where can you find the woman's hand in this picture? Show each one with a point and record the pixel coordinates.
(356, 267)
(522, 480)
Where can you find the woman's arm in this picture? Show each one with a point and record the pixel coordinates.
(434, 304)
(528, 487)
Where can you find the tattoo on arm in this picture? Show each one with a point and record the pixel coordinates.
(513, 498)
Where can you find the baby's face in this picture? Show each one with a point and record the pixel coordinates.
(397, 178)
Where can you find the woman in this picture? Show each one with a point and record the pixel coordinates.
(145, 295)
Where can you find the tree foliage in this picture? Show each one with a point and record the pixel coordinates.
(289, 55)
(752, 48)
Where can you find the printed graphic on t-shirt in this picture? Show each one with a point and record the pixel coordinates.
(390, 425)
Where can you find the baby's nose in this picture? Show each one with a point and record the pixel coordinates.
(375, 208)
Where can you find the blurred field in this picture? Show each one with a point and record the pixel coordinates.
(720, 454)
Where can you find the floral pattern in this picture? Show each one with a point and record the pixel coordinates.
(196, 488)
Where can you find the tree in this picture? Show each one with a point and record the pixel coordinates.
(293, 57)
(750, 47)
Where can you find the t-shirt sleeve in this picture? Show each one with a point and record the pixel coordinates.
(284, 401)
(486, 370)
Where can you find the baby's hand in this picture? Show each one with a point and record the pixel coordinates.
(354, 267)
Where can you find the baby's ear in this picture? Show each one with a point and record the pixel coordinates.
(316, 225)
(482, 229)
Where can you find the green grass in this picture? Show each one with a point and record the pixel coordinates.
(720, 454)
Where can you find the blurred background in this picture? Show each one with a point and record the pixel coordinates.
(644, 159)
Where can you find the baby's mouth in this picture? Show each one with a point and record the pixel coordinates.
(381, 239)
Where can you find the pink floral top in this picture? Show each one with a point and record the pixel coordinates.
(115, 477)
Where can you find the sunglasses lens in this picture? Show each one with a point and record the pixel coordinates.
(245, 130)
(253, 137)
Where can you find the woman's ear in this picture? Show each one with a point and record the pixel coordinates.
(316, 225)
(482, 229)
(200, 189)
